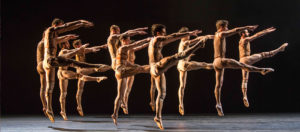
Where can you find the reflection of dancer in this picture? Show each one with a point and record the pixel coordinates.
(80, 56)
(159, 65)
(220, 62)
(185, 65)
(125, 69)
(40, 69)
(246, 58)
(51, 61)
(64, 75)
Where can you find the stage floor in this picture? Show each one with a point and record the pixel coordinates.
(230, 122)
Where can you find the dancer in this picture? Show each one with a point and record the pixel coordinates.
(247, 58)
(51, 60)
(185, 65)
(113, 43)
(220, 62)
(125, 69)
(64, 75)
(40, 69)
(159, 65)
(80, 56)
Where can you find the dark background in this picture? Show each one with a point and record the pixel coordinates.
(23, 23)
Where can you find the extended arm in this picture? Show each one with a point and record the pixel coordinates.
(237, 30)
(95, 48)
(72, 26)
(261, 33)
(175, 36)
(200, 38)
(137, 31)
(136, 44)
(66, 38)
(73, 52)
(141, 47)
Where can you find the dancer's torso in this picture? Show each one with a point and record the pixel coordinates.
(50, 44)
(219, 46)
(244, 48)
(154, 51)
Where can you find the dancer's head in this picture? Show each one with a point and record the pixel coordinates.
(158, 30)
(114, 29)
(125, 39)
(57, 22)
(222, 25)
(184, 30)
(77, 43)
(64, 45)
(244, 33)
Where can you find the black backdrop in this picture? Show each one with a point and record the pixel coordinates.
(24, 21)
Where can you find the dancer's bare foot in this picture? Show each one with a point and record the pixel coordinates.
(114, 119)
(220, 110)
(80, 111)
(266, 70)
(63, 114)
(246, 103)
(101, 78)
(283, 46)
(159, 123)
(152, 105)
(50, 115)
(181, 110)
(125, 109)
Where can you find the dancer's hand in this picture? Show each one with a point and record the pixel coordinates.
(86, 23)
(271, 29)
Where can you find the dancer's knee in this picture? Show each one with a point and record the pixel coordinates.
(162, 96)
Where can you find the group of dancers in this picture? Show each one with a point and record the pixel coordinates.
(122, 52)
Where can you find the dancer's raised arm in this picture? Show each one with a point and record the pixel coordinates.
(231, 32)
(261, 33)
(175, 36)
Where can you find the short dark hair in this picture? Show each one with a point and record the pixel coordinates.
(76, 42)
(183, 29)
(57, 21)
(114, 27)
(124, 36)
(221, 23)
(157, 28)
